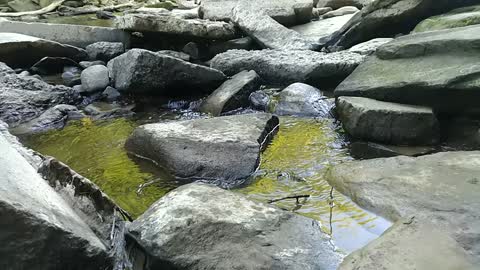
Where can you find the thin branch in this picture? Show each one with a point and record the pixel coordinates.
(297, 197)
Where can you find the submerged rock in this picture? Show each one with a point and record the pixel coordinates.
(176, 26)
(17, 50)
(388, 122)
(198, 226)
(141, 71)
(95, 78)
(222, 149)
(302, 100)
(438, 69)
(39, 229)
(443, 188)
(410, 244)
(105, 51)
(232, 94)
(285, 66)
(267, 32)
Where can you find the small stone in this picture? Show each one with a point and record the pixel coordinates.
(95, 78)
(111, 94)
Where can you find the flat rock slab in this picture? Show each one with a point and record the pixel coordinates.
(459, 17)
(443, 188)
(267, 32)
(39, 229)
(286, 12)
(324, 30)
(17, 50)
(75, 35)
(410, 244)
(388, 122)
(198, 226)
(167, 24)
(439, 69)
(232, 94)
(285, 66)
(142, 71)
(218, 149)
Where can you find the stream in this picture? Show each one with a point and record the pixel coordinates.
(293, 164)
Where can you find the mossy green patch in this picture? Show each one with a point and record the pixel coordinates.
(96, 151)
(456, 18)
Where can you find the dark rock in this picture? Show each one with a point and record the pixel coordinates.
(221, 149)
(459, 17)
(260, 100)
(95, 78)
(104, 15)
(369, 150)
(336, 4)
(52, 65)
(285, 66)
(111, 94)
(192, 50)
(17, 50)
(73, 4)
(71, 76)
(232, 94)
(245, 43)
(267, 32)
(253, 235)
(302, 100)
(105, 51)
(387, 122)
(442, 188)
(141, 71)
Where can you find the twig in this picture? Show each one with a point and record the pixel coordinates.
(289, 197)
(44, 10)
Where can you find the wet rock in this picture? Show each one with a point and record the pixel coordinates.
(369, 150)
(24, 97)
(267, 32)
(32, 157)
(442, 188)
(232, 94)
(53, 118)
(36, 219)
(302, 100)
(369, 47)
(102, 110)
(129, 73)
(387, 122)
(221, 149)
(286, 12)
(336, 4)
(111, 94)
(391, 17)
(410, 244)
(459, 17)
(438, 69)
(323, 31)
(245, 43)
(105, 51)
(104, 15)
(260, 100)
(73, 4)
(176, 26)
(254, 235)
(192, 50)
(285, 66)
(71, 76)
(180, 55)
(87, 64)
(76, 35)
(340, 12)
(52, 65)
(95, 78)
(17, 50)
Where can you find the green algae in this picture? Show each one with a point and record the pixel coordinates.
(95, 150)
(460, 17)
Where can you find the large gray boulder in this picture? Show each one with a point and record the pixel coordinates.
(388, 122)
(105, 51)
(369, 47)
(390, 17)
(302, 100)
(39, 230)
(438, 69)
(442, 188)
(267, 32)
(232, 94)
(167, 24)
(140, 71)
(94, 78)
(286, 12)
(17, 50)
(198, 226)
(220, 149)
(323, 31)
(285, 66)
(459, 17)
(410, 244)
(24, 98)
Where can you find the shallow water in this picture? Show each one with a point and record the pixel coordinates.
(87, 19)
(293, 164)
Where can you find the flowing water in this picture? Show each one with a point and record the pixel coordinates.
(293, 164)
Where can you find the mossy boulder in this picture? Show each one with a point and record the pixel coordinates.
(459, 17)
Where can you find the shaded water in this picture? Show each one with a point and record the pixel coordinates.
(293, 164)
(87, 19)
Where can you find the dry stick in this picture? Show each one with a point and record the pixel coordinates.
(95, 9)
(44, 10)
(289, 197)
